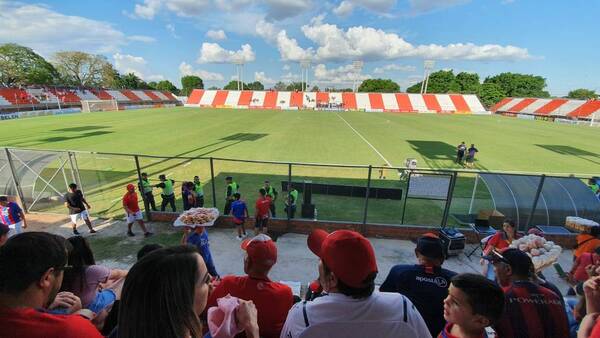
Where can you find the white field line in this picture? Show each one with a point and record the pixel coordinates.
(366, 141)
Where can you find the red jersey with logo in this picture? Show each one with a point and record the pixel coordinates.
(273, 300)
(131, 201)
(31, 323)
(262, 207)
(448, 328)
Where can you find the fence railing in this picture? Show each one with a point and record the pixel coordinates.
(361, 194)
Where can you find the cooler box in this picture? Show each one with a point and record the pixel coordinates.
(453, 241)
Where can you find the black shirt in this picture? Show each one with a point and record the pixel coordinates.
(75, 202)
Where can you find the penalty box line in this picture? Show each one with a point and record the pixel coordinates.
(364, 139)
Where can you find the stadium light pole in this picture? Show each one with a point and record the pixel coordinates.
(305, 66)
(239, 68)
(427, 66)
(357, 67)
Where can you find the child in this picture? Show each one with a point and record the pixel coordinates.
(473, 303)
(239, 210)
(199, 238)
(262, 211)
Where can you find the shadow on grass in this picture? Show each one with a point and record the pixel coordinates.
(81, 128)
(571, 151)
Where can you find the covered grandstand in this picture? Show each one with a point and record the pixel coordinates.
(388, 102)
(558, 107)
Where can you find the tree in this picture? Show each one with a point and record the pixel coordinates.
(256, 85)
(315, 88)
(379, 86)
(296, 86)
(280, 86)
(166, 85)
(110, 76)
(468, 82)
(189, 83)
(520, 85)
(214, 88)
(22, 66)
(152, 84)
(232, 85)
(131, 81)
(490, 94)
(79, 68)
(582, 94)
(414, 89)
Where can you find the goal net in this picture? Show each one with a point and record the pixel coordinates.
(98, 105)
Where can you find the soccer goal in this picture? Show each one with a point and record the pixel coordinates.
(98, 105)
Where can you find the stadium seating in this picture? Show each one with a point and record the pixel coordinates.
(548, 107)
(389, 102)
(17, 96)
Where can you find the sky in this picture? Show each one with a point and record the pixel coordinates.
(166, 39)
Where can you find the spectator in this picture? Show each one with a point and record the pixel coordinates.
(590, 325)
(148, 248)
(146, 188)
(188, 195)
(347, 271)
(273, 300)
(199, 239)
(31, 272)
(261, 212)
(12, 215)
(425, 284)
(290, 201)
(473, 303)
(500, 240)
(587, 242)
(240, 213)
(579, 271)
(199, 192)
(530, 310)
(76, 203)
(232, 188)
(85, 278)
(167, 194)
(593, 184)
(4, 230)
(133, 212)
(165, 293)
(272, 193)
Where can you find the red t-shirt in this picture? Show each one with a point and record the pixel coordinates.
(131, 201)
(262, 207)
(273, 300)
(31, 323)
(448, 328)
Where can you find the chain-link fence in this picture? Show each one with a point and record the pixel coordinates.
(326, 192)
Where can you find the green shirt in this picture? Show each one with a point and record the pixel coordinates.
(294, 194)
(271, 192)
(167, 188)
(198, 188)
(232, 188)
(595, 188)
(146, 185)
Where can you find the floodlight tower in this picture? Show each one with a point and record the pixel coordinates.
(427, 66)
(239, 72)
(305, 66)
(357, 68)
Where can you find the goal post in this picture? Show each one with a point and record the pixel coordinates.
(98, 105)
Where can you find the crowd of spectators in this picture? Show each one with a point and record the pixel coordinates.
(52, 287)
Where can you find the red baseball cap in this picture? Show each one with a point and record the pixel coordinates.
(261, 249)
(130, 186)
(347, 253)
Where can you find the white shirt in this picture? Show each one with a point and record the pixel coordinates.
(381, 315)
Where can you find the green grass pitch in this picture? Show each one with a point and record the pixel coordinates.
(505, 144)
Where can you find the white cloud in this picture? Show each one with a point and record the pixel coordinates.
(171, 29)
(155, 78)
(339, 75)
(147, 10)
(229, 5)
(289, 49)
(370, 44)
(380, 6)
(187, 69)
(141, 38)
(286, 67)
(216, 35)
(290, 77)
(137, 65)
(266, 30)
(262, 78)
(345, 8)
(214, 53)
(394, 67)
(281, 9)
(425, 6)
(48, 31)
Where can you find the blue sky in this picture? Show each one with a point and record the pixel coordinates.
(165, 39)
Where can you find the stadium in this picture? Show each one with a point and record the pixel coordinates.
(450, 160)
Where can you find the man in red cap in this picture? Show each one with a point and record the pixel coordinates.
(273, 300)
(132, 210)
(351, 308)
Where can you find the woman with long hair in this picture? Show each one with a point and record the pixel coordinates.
(96, 285)
(164, 294)
(500, 240)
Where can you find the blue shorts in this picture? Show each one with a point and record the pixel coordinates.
(104, 299)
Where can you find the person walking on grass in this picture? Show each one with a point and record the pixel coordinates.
(78, 208)
(232, 188)
(199, 192)
(146, 189)
(262, 211)
(168, 193)
(271, 192)
(471, 155)
(132, 211)
(12, 215)
(460, 153)
(240, 213)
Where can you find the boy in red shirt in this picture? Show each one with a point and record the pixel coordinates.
(473, 303)
(262, 211)
(132, 210)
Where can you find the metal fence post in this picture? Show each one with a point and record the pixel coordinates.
(77, 176)
(289, 198)
(406, 196)
(13, 171)
(147, 209)
(449, 199)
(367, 193)
(535, 201)
(212, 182)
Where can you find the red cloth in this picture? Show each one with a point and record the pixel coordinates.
(30, 323)
(596, 331)
(262, 207)
(581, 262)
(532, 311)
(497, 241)
(448, 328)
(273, 300)
(131, 201)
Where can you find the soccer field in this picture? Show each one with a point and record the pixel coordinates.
(505, 144)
